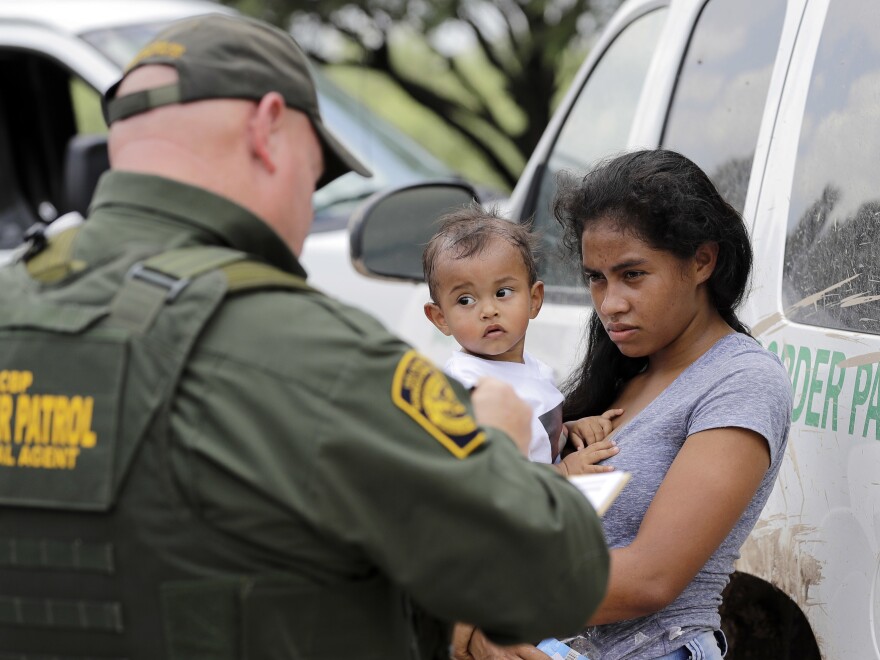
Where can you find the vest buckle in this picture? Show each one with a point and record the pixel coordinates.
(174, 285)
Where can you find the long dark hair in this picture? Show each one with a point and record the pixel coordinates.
(665, 200)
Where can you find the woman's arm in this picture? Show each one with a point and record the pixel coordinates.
(707, 488)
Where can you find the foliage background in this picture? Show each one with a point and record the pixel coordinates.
(475, 82)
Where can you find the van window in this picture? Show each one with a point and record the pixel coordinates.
(597, 125)
(86, 107)
(831, 275)
(721, 90)
(36, 122)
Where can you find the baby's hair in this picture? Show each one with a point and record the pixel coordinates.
(467, 231)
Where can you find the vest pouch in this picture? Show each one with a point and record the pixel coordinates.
(81, 383)
(276, 617)
(60, 403)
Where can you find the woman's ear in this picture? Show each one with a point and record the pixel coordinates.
(437, 317)
(705, 260)
(266, 120)
(537, 299)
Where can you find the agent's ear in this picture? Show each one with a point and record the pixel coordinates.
(264, 123)
(705, 260)
(437, 317)
(537, 299)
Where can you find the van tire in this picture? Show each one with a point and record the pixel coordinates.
(762, 623)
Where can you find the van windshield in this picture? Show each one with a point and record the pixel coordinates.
(597, 125)
(393, 157)
(120, 44)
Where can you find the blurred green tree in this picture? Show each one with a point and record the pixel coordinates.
(491, 71)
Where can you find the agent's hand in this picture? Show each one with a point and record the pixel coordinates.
(587, 430)
(583, 461)
(461, 639)
(480, 648)
(497, 405)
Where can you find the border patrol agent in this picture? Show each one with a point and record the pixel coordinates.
(202, 457)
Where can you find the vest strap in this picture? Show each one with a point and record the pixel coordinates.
(159, 280)
(242, 273)
(171, 270)
(188, 262)
(137, 304)
(250, 275)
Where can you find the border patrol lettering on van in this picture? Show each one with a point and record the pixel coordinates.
(45, 431)
(819, 378)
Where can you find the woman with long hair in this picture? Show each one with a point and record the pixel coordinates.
(706, 408)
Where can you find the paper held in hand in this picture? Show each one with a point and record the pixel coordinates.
(601, 488)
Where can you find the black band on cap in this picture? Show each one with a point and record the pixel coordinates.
(137, 102)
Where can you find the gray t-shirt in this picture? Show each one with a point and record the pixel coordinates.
(735, 383)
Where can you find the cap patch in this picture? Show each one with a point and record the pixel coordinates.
(160, 49)
(422, 391)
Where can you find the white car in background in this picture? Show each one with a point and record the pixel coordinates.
(779, 102)
(57, 56)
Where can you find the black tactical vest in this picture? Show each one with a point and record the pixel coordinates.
(101, 554)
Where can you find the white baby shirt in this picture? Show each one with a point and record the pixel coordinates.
(533, 382)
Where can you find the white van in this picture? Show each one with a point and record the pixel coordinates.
(58, 56)
(779, 101)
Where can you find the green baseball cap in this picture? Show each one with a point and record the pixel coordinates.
(221, 56)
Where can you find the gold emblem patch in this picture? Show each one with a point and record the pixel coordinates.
(422, 392)
(162, 48)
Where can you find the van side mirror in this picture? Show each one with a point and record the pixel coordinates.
(389, 231)
(85, 160)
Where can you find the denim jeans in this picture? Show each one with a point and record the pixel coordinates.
(708, 645)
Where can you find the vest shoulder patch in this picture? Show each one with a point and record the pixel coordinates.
(422, 391)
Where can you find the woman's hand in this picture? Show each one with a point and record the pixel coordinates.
(480, 648)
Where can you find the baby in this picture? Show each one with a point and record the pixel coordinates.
(482, 276)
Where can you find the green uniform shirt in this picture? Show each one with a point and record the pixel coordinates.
(297, 430)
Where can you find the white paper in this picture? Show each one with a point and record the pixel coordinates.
(601, 487)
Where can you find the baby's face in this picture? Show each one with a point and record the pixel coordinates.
(485, 301)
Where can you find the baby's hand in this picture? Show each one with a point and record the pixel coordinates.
(584, 460)
(588, 430)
